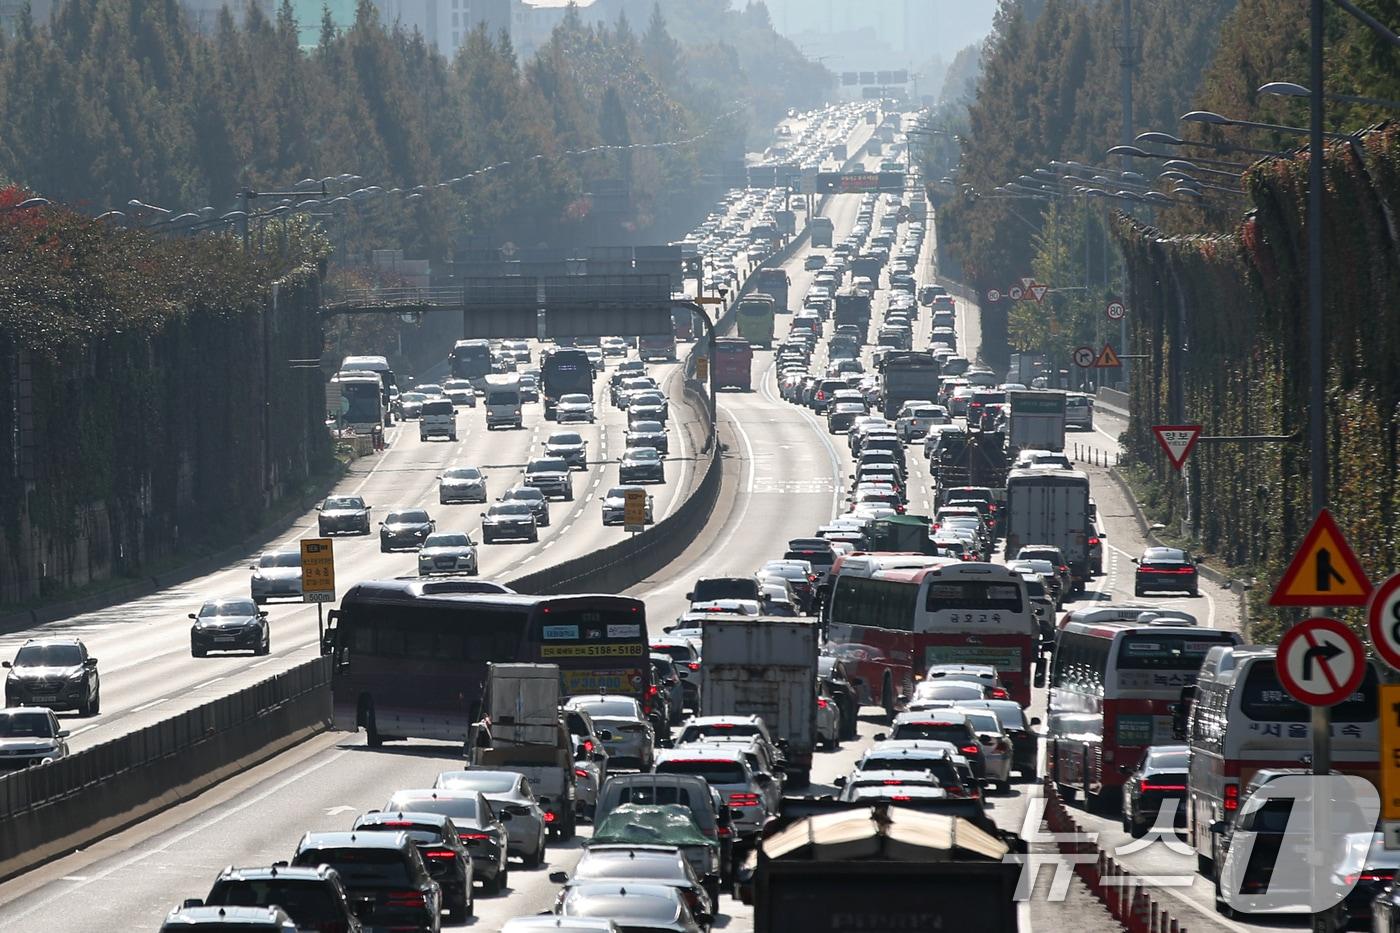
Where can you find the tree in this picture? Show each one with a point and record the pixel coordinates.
(660, 51)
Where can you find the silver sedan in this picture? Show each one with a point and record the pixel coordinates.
(509, 793)
(633, 740)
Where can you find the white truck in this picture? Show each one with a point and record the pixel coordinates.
(766, 667)
(1049, 507)
(503, 401)
(521, 730)
(1037, 420)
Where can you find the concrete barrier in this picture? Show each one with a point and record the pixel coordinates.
(49, 810)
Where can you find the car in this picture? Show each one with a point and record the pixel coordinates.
(1046, 552)
(918, 757)
(223, 919)
(779, 601)
(841, 415)
(661, 865)
(651, 908)
(1013, 721)
(915, 419)
(669, 689)
(55, 672)
(926, 692)
(532, 497)
(383, 870)
(401, 528)
(482, 832)
(633, 737)
(1372, 900)
(685, 654)
(461, 484)
(509, 521)
(800, 575)
(590, 760)
(568, 445)
(984, 674)
(648, 434)
(1160, 777)
(828, 720)
(842, 690)
(897, 783)
(1166, 570)
(529, 387)
(551, 476)
(448, 552)
(276, 575)
(460, 391)
(1048, 572)
(574, 407)
(30, 735)
(945, 725)
(814, 261)
(615, 504)
(1043, 460)
(641, 465)
(342, 515)
(508, 792)
(997, 750)
(229, 625)
(410, 405)
(314, 897)
(614, 346)
(727, 770)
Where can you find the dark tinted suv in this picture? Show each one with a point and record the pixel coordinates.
(382, 871)
(54, 672)
(932, 727)
(313, 897)
(439, 842)
(708, 589)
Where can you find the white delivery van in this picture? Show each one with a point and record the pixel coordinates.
(503, 401)
(437, 418)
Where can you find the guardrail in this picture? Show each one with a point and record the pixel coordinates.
(51, 809)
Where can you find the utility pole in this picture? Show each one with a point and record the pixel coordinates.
(1128, 58)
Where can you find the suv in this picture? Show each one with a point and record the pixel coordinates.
(439, 842)
(56, 673)
(313, 897)
(223, 919)
(437, 418)
(30, 735)
(727, 770)
(551, 476)
(382, 869)
(1056, 559)
(940, 726)
(709, 589)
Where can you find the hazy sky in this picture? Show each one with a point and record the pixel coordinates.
(913, 30)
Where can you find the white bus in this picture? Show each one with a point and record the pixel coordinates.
(1241, 720)
(1113, 686)
(355, 401)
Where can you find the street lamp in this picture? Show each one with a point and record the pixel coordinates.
(1166, 139)
(1136, 152)
(1214, 119)
(1289, 89)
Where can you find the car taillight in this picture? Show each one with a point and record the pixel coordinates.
(743, 800)
(1064, 569)
(406, 899)
(1093, 542)
(440, 853)
(693, 665)
(1145, 786)
(1232, 797)
(548, 817)
(992, 506)
(1372, 874)
(473, 837)
(822, 703)
(579, 772)
(956, 790)
(820, 395)
(999, 694)
(971, 749)
(588, 746)
(724, 832)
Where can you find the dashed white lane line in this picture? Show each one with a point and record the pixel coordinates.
(207, 683)
(146, 706)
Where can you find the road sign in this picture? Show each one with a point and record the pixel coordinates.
(1324, 570)
(1107, 358)
(1389, 718)
(702, 368)
(1084, 357)
(1177, 440)
(1320, 662)
(1383, 618)
(1015, 293)
(634, 510)
(1116, 311)
(317, 570)
(994, 295)
(1038, 292)
(1027, 281)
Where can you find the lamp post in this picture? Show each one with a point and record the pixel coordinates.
(1289, 89)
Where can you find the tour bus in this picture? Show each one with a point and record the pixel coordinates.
(409, 656)
(754, 318)
(1113, 685)
(379, 365)
(733, 363)
(471, 360)
(773, 282)
(1239, 720)
(355, 401)
(878, 649)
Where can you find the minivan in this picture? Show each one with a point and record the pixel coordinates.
(437, 418)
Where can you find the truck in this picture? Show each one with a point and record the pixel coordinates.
(970, 458)
(907, 376)
(355, 401)
(766, 667)
(852, 306)
(657, 347)
(822, 230)
(1026, 368)
(564, 371)
(754, 319)
(773, 282)
(521, 730)
(1050, 507)
(1037, 419)
(503, 401)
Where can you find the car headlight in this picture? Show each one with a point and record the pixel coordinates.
(76, 676)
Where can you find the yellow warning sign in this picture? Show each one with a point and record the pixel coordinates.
(702, 368)
(317, 570)
(1107, 358)
(1324, 570)
(1389, 720)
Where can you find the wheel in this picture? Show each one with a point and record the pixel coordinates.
(801, 778)
(452, 436)
(460, 909)
(570, 826)
(535, 860)
(474, 571)
(266, 646)
(85, 708)
(97, 702)
(1134, 828)
(712, 889)
(1195, 592)
(1223, 907)
(1205, 866)
(1137, 591)
(259, 600)
(887, 697)
(503, 879)
(569, 496)
(534, 537)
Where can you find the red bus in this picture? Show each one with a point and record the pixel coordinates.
(733, 364)
(410, 656)
(1112, 689)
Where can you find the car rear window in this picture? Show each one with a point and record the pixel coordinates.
(931, 731)
(312, 903)
(438, 407)
(707, 590)
(713, 770)
(362, 867)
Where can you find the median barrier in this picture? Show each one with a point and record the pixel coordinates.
(50, 810)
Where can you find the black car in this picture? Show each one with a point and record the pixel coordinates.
(442, 848)
(569, 445)
(312, 896)
(383, 872)
(405, 528)
(841, 688)
(1165, 569)
(56, 673)
(641, 465)
(230, 625)
(534, 498)
(1374, 898)
(509, 520)
(938, 725)
(343, 515)
(1159, 778)
(648, 434)
(481, 830)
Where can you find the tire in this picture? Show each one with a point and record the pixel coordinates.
(503, 880)
(458, 911)
(383, 547)
(1205, 866)
(1066, 793)
(569, 496)
(266, 647)
(1133, 828)
(85, 709)
(712, 889)
(1195, 592)
(97, 702)
(534, 861)
(534, 537)
(570, 826)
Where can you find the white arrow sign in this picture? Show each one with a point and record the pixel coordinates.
(1015, 293)
(336, 811)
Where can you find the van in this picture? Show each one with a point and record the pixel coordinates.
(687, 790)
(1079, 412)
(437, 418)
(503, 402)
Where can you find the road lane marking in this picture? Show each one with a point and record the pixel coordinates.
(207, 683)
(145, 706)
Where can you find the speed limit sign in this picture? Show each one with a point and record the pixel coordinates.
(1383, 616)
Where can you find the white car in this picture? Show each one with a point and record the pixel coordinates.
(828, 722)
(996, 744)
(448, 552)
(277, 575)
(615, 505)
(461, 484)
(460, 391)
(574, 407)
(915, 419)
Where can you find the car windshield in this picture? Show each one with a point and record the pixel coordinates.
(899, 763)
(575, 400)
(344, 502)
(643, 453)
(228, 607)
(647, 427)
(407, 517)
(26, 725)
(280, 559)
(313, 904)
(362, 866)
(1175, 759)
(722, 730)
(509, 508)
(448, 540)
(627, 865)
(564, 437)
(620, 492)
(413, 397)
(547, 465)
(932, 731)
(463, 473)
(984, 722)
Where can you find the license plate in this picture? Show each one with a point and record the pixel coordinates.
(46, 698)
(224, 638)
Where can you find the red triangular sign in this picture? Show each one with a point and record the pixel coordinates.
(1027, 281)
(1177, 440)
(1038, 292)
(1108, 358)
(1324, 570)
